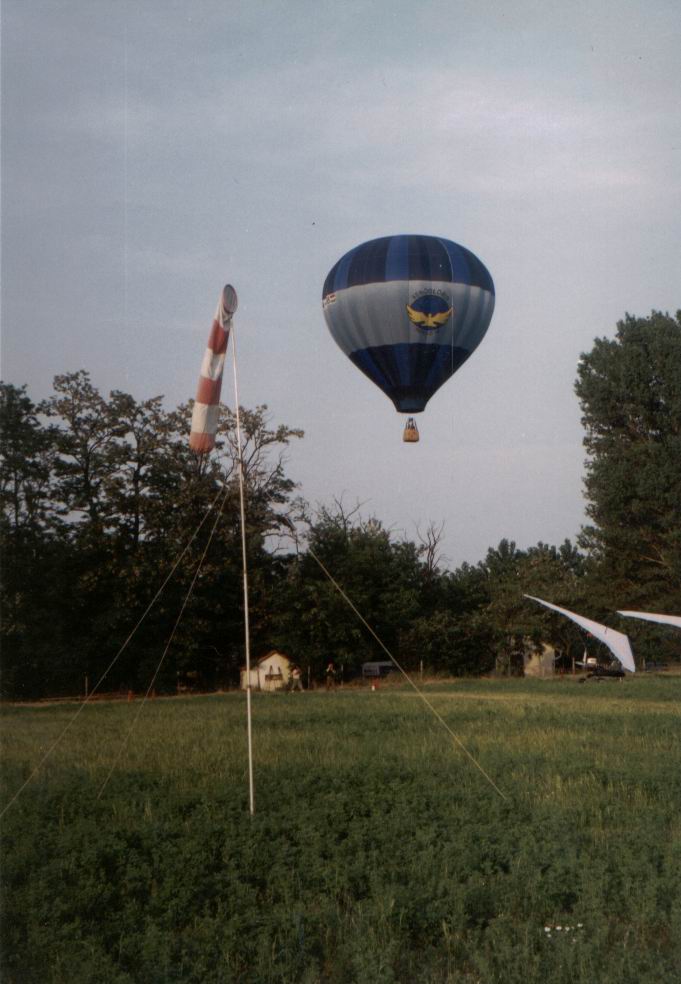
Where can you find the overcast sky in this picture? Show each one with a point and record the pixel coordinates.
(153, 150)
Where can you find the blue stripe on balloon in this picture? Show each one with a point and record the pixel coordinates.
(466, 266)
(409, 374)
(328, 283)
(340, 280)
(431, 261)
(459, 265)
(397, 259)
(407, 258)
(368, 263)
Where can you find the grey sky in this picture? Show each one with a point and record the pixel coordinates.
(154, 150)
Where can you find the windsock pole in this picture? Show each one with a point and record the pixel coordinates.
(202, 440)
(244, 564)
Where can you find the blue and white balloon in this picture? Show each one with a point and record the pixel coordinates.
(408, 311)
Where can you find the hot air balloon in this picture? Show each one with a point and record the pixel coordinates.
(408, 311)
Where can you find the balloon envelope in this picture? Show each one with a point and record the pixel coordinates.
(408, 311)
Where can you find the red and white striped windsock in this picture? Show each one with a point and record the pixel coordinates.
(206, 406)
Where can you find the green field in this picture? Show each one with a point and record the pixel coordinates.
(378, 853)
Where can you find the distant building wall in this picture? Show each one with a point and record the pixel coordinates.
(540, 664)
(271, 672)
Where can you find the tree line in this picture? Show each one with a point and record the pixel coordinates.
(101, 499)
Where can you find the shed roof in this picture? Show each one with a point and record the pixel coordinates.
(273, 652)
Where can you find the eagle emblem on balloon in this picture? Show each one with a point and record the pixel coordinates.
(429, 312)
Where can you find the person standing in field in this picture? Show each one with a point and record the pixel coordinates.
(330, 677)
(295, 683)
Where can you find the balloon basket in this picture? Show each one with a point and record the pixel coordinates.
(411, 432)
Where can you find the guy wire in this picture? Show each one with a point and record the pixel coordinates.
(125, 741)
(385, 649)
(409, 680)
(111, 665)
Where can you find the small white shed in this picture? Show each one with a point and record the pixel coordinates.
(270, 672)
(540, 664)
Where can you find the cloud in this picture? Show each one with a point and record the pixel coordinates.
(506, 121)
(490, 133)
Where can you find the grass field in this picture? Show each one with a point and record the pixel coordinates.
(378, 853)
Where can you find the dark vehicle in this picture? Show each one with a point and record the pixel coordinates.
(600, 673)
(373, 671)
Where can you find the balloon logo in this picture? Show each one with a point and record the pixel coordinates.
(408, 311)
(429, 312)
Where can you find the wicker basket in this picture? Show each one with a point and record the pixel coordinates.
(411, 432)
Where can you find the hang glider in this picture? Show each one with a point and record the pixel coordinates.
(617, 642)
(651, 617)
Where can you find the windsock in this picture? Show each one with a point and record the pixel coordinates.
(207, 403)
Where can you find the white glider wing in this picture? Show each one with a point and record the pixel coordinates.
(617, 642)
(650, 617)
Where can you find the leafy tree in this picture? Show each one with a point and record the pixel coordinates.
(30, 532)
(454, 643)
(629, 389)
(381, 576)
(27, 458)
(99, 499)
(142, 446)
(98, 505)
(543, 571)
(85, 439)
(176, 488)
(452, 633)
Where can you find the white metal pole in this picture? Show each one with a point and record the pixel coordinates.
(244, 563)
